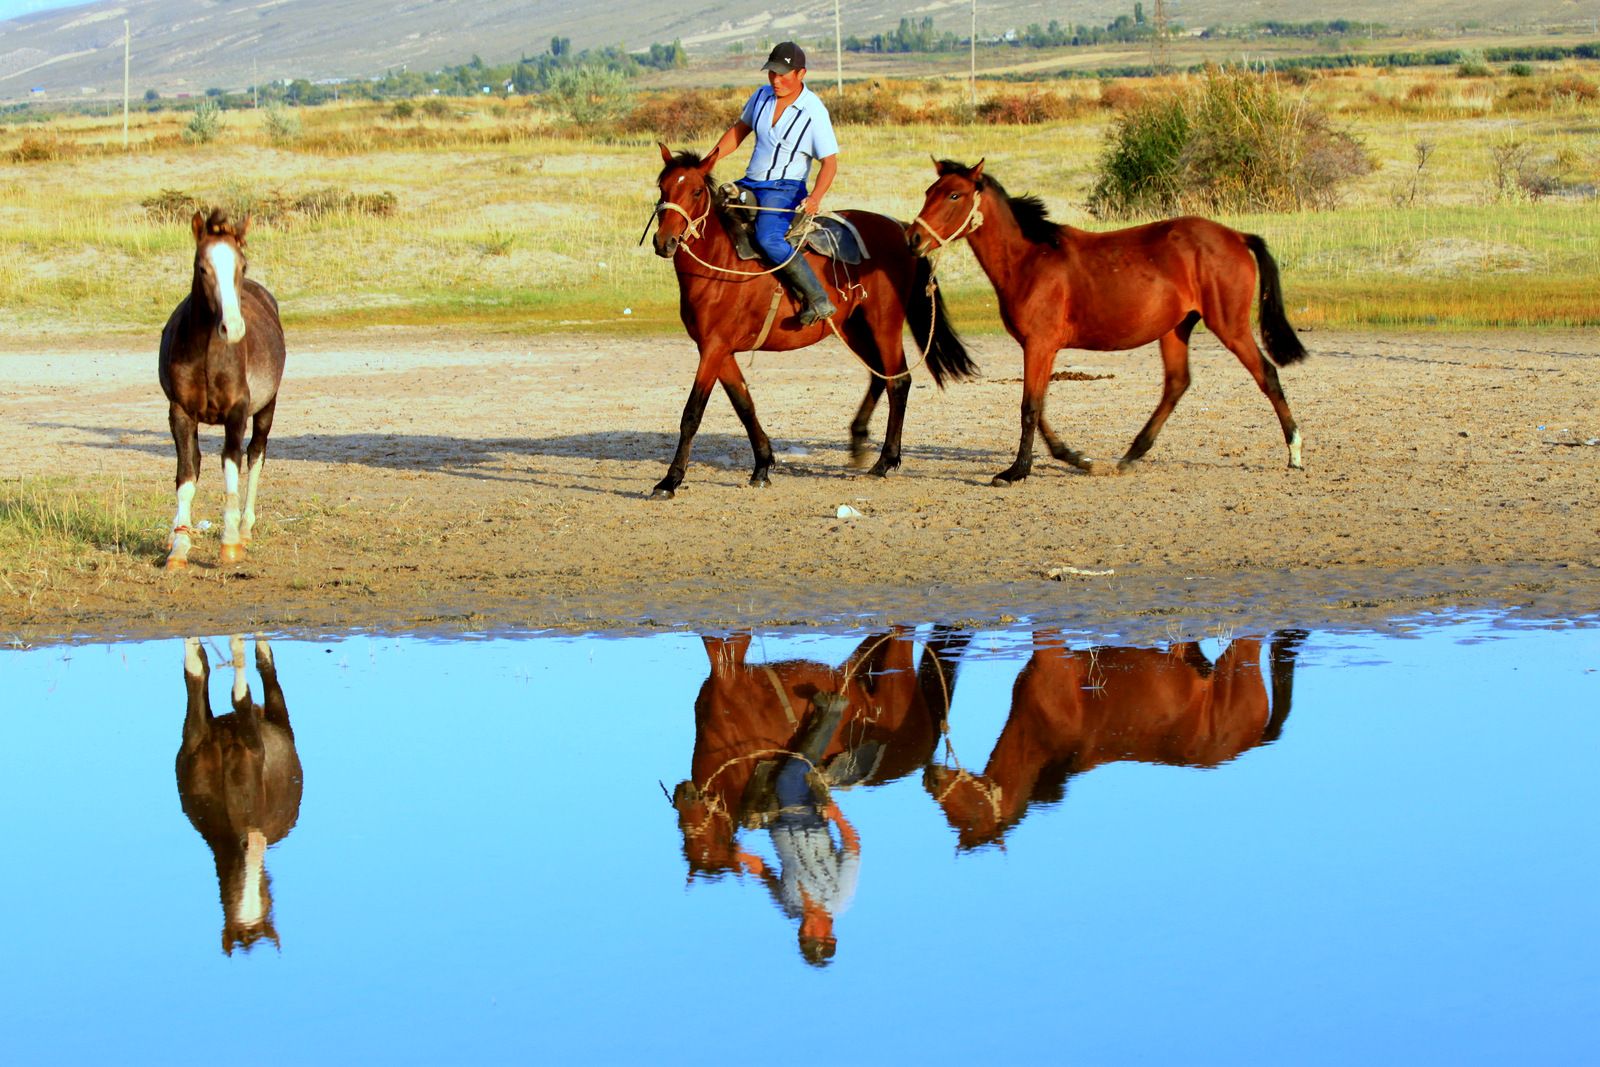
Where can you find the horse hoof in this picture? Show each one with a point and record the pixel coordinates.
(1003, 481)
(662, 492)
(176, 563)
(762, 482)
(231, 554)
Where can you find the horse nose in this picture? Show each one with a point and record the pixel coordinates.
(914, 242)
(665, 246)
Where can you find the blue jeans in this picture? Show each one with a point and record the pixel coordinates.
(772, 225)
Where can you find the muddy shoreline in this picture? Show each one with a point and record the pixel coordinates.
(466, 484)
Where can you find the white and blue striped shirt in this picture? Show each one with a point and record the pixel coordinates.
(784, 151)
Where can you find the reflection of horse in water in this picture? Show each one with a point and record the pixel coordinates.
(239, 780)
(771, 739)
(1072, 711)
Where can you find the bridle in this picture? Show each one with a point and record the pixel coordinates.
(973, 220)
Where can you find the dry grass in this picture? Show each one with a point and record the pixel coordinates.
(496, 214)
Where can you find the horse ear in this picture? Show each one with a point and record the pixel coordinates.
(976, 173)
(243, 226)
(198, 225)
(705, 164)
(939, 167)
(666, 153)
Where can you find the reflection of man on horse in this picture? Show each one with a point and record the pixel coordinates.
(792, 128)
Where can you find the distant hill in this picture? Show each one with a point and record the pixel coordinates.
(188, 46)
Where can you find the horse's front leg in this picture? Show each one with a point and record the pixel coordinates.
(186, 438)
(232, 455)
(1058, 448)
(860, 426)
(705, 376)
(733, 384)
(261, 425)
(1036, 363)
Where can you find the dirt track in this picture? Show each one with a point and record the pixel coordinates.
(425, 481)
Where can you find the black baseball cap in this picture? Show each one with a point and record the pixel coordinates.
(784, 58)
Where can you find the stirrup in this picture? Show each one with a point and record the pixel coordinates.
(813, 313)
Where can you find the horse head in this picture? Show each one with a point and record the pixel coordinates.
(219, 266)
(950, 208)
(971, 804)
(686, 198)
(709, 836)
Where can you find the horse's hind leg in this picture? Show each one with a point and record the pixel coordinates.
(860, 431)
(1242, 343)
(744, 406)
(232, 454)
(887, 352)
(694, 409)
(186, 438)
(1175, 381)
(261, 426)
(1059, 449)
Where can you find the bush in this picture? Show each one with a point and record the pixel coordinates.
(1235, 143)
(1473, 65)
(873, 104)
(37, 150)
(204, 124)
(282, 123)
(170, 206)
(590, 95)
(1027, 109)
(679, 117)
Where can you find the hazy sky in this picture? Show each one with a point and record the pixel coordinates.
(13, 8)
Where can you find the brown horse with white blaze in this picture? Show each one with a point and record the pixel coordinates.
(222, 357)
(1061, 287)
(239, 780)
(727, 307)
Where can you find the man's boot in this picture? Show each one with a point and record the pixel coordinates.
(802, 280)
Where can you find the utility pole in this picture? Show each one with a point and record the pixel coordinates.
(838, 50)
(255, 87)
(127, 53)
(972, 53)
(1158, 43)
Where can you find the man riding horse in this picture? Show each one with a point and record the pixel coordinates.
(792, 128)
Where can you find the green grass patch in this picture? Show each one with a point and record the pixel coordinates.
(58, 517)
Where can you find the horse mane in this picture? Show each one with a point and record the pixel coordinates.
(218, 224)
(688, 157)
(1033, 218)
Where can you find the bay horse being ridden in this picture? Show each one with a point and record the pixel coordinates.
(770, 741)
(1061, 287)
(239, 780)
(1072, 711)
(221, 361)
(725, 305)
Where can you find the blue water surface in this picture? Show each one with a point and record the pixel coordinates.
(487, 866)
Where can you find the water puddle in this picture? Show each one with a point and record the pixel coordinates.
(1316, 847)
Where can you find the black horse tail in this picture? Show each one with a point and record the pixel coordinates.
(1282, 344)
(947, 356)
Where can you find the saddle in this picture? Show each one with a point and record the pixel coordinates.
(828, 235)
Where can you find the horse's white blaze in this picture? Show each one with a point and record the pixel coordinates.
(192, 663)
(224, 261)
(252, 909)
(1294, 450)
(230, 502)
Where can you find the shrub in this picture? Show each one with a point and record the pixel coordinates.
(1520, 70)
(589, 95)
(402, 110)
(1026, 109)
(1234, 143)
(205, 123)
(1117, 97)
(437, 107)
(873, 104)
(38, 150)
(170, 206)
(1473, 65)
(679, 117)
(282, 123)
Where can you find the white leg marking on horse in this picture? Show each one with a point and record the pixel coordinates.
(193, 662)
(263, 651)
(224, 261)
(252, 481)
(1294, 450)
(181, 540)
(230, 502)
(241, 686)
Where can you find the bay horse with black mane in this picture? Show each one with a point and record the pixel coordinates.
(221, 362)
(1061, 287)
(727, 307)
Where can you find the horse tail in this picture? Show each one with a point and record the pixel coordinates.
(1282, 343)
(947, 356)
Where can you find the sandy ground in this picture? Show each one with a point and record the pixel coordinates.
(425, 481)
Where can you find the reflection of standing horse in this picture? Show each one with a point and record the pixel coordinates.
(221, 362)
(1072, 711)
(771, 739)
(728, 307)
(239, 780)
(1061, 287)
